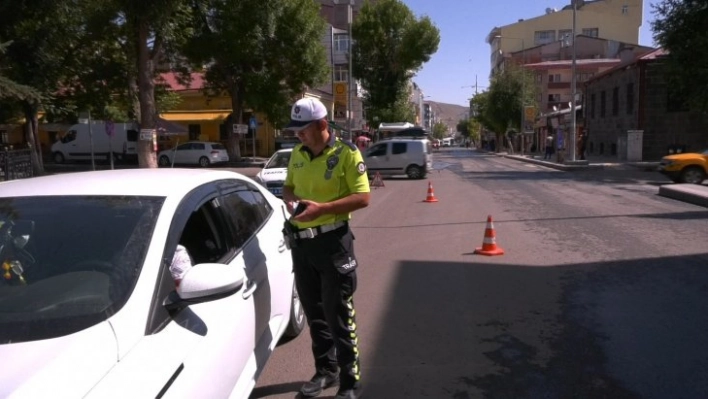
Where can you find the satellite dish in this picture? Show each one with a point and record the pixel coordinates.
(555, 108)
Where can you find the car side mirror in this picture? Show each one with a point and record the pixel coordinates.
(206, 282)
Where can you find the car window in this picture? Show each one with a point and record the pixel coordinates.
(204, 236)
(279, 160)
(377, 150)
(244, 212)
(218, 146)
(69, 136)
(198, 146)
(184, 147)
(399, 148)
(73, 261)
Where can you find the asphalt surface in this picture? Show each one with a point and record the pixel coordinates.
(601, 292)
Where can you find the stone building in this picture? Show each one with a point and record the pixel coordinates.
(635, 96)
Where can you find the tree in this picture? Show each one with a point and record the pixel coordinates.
(261, 52)
(10, 90)
(390, 46)
(469, 128)
(439, 130)
(681, 27)
(44, 33)
(500, 108)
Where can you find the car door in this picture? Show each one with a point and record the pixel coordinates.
(377, 157)
(197, 151)
(210, 343)
(267, 260)
(400, 157)
(181, 154)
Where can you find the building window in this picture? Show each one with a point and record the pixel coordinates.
(341, 73)
(539, 78)
(341, 43)
(195, 131)
(554, 78)
(603, 103)
(592, 32)
(592, 105)
(554, 98)
(625, 10)
(630, 98)
(565, 36)
(3, 137)
(544, 36)
(615, 101)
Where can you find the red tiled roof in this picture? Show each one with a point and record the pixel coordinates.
(170, 78)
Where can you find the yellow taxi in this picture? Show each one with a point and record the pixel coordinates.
(690, 167)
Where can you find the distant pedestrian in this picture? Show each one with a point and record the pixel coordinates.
(549, 147)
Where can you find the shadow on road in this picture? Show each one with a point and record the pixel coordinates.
(624, 329)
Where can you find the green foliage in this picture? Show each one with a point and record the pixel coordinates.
(10, 89)
(390, 46)
(261, 52)
(469, 128)
(500, 108)
(439, 130)
(681, 27)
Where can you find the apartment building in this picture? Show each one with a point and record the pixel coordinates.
(618, 20)
(340, 89)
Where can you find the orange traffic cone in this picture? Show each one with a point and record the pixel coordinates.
(431, 195)
(489, 245)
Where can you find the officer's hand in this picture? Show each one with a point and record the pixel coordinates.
(312, 212)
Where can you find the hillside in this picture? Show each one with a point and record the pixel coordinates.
(449, 114)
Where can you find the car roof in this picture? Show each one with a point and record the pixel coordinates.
(133, 182)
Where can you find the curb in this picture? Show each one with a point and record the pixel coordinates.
(691, 193)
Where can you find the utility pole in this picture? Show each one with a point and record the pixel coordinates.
(350, 111)
(573, 121)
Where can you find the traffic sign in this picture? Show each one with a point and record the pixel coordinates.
(240, 128)
(110, 128)
(252, 123)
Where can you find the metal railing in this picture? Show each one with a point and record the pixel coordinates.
(15, 164)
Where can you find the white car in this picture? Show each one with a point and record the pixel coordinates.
(273, 174)
(89, 308)
(202, 153)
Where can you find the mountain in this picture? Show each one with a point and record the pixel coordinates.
(449, 114)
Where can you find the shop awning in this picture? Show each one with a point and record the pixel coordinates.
(195, 116)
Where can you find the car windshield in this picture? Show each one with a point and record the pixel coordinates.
(279, 160)
(69, 262)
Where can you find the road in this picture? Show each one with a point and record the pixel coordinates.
(601, 292)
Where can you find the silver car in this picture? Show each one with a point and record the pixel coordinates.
(202, 153)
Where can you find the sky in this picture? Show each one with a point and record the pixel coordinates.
(463, 52)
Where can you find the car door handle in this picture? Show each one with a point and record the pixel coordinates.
(250, 289)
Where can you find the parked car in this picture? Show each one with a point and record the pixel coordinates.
(88, 306)
(400, 156)
(200, 153)
(273, 174)
(690, 167)
(102, 139)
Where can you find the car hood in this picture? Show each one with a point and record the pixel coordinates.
(273, 174)
(685, 156)
(64, 367)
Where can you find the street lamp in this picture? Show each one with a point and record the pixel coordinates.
(523, 88)
(350, 20)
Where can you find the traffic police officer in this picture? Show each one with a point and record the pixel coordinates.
(327, 178)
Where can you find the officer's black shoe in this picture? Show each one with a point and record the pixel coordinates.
(350, 393)
(319, 382)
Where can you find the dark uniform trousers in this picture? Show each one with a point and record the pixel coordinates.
(326, 280)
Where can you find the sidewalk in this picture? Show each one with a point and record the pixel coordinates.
(691, 193)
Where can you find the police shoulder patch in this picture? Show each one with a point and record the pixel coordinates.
(361, 168)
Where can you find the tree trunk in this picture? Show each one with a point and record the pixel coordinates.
(146, 94)
(234, 147)
(32, 138)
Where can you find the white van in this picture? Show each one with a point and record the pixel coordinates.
(75, 144)
(400, 156)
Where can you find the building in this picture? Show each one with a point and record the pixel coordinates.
(429, 116)
(340, 87)
(636, 96)
(618, 20)
(416, 100)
